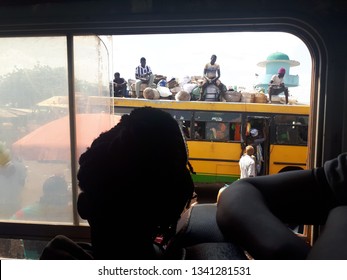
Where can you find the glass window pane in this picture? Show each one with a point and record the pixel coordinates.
(35, 179)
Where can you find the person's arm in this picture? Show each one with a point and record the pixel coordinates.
(244, 216)
(251, 169)
(149, 71)
(115, 83)
(271, 81)
(214, 132)
(335, 171)
(123, 83)
(145, 77)
(217, 76)
(137, 73)
(205, 74)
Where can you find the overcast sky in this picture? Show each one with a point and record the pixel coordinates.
(171, 55)
(179, 55)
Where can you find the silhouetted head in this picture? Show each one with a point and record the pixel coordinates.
(136, 173)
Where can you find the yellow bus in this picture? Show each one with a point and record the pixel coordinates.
(217, 132)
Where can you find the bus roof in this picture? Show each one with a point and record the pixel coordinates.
(213, 106)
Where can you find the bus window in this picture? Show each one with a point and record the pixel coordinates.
(185, 128)
(217, 131)
(291, 130)
(199, 130)
(217, 116)
(122, 111)
(180, 115)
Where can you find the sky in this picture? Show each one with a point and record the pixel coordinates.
(171, 55)
(180, 55)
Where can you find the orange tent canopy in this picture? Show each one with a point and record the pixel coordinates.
(51, 142)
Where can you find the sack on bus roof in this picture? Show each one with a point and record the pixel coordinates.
(232, 96)
(247, 97)
(151, 93)
(182, 96)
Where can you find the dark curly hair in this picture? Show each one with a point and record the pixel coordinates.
(143, 160)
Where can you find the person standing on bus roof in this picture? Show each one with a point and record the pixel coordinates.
(276, 85)
(131, 191)
(211, 76)
(247, 163)
(143, 74)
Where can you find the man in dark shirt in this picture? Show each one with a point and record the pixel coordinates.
(119, 86)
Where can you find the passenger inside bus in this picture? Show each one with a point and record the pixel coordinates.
(198, 130)
(217, 131)
(186, 128)
(256, 136)
(235, 131)
(131, 191)
(261, 207)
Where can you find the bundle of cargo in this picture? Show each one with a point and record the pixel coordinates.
(276, 99)
(175, 90)
(260, 98)
(247, 97)
(143, 86)
(151, 93)
(232, 96)
(197, 80)
(157, 78)
(182, 96)
(172, 83)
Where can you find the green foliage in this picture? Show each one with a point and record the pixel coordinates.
(24, 88)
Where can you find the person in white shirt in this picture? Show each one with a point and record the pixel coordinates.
(276, 85)
(247, 163)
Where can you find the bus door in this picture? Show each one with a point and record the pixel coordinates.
(256, 133)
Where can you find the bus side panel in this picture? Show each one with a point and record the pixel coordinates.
(287, 157)
(214, 161)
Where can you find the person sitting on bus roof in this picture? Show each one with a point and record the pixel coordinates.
(276, 85)
(211, 76)
(143, 74)
(119, 86)
(135, 182)
(255, 212)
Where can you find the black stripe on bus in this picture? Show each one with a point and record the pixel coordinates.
(214, 159)
(288, 163)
